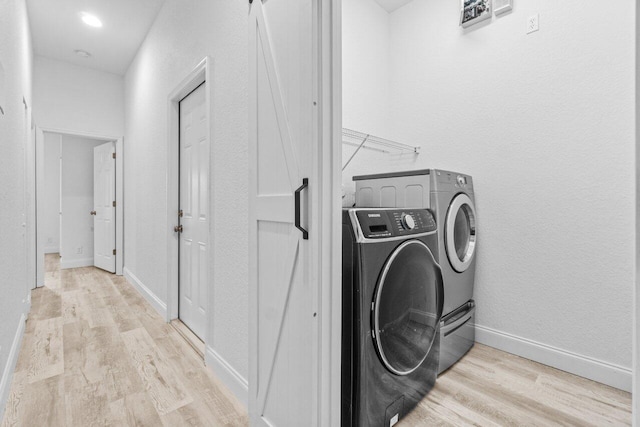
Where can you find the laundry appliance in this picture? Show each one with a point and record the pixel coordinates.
(451, 199)
(392, 304)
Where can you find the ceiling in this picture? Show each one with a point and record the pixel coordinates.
(57, 30)
(391, 5)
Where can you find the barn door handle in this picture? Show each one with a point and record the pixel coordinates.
(305, 184)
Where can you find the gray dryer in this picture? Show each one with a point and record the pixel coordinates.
(451, 199)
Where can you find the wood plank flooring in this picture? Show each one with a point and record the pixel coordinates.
(489, 387)
(96, 353)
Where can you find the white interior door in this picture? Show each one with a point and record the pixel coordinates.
(104, 210)
(194, 206)
(283, 281)
(40, 236)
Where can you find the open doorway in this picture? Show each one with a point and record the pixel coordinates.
(79, 220)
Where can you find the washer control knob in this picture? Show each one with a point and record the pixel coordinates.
(408, 222)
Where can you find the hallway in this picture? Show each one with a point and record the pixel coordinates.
(96, 353)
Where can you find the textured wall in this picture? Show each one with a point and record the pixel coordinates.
(636, 331)
(545, 124)
(365, 80)
(16, 57)
(72, 98)
(365, 54)
(183, 34)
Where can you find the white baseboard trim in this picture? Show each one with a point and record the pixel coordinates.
(51, 250)
(10, 366)
(75, 263)
(236, 383)
(584, 366)
(157, 303)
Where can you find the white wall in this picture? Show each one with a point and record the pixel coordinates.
(76, 241)
(366, 79)
(72, 98)
(636, 330)
(183, 34)
(50, 225)
(16, 55)
(545, 125)
(365, 63)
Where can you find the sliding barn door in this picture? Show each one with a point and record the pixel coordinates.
(283, 284)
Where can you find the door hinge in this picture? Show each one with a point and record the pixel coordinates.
(113, 155)
(114, 203)
(114, 251)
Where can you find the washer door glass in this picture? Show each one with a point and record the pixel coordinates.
(407, 307)
(460, 232)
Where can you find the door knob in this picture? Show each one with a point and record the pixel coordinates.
(177, 229)
(93, 212)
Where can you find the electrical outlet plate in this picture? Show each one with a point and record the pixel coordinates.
(533, 24)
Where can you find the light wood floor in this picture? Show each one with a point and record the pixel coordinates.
(489, 387)
(95, 353)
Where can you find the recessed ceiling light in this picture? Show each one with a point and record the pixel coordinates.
(82, 53)
(90, 20)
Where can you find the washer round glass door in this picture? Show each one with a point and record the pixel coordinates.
(407, 307)
(460, 232)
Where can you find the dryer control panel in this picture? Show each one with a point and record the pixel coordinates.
(385, 223)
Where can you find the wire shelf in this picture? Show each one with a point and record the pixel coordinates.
(371, 142)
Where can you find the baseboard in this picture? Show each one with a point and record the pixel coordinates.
(75, 263)
(587, 367)
(236, 383)
(51, 250)
(10, 366)
(157, 303)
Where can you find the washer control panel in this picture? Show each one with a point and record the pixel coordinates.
(382, 223)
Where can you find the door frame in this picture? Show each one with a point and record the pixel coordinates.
(201, 73)
(29, 203)
(329, 21)
(119, 146)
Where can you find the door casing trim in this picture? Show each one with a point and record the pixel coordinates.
(202, 73)
(119, 146)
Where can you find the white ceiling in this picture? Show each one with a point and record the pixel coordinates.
(57, 30)
(391, 5)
